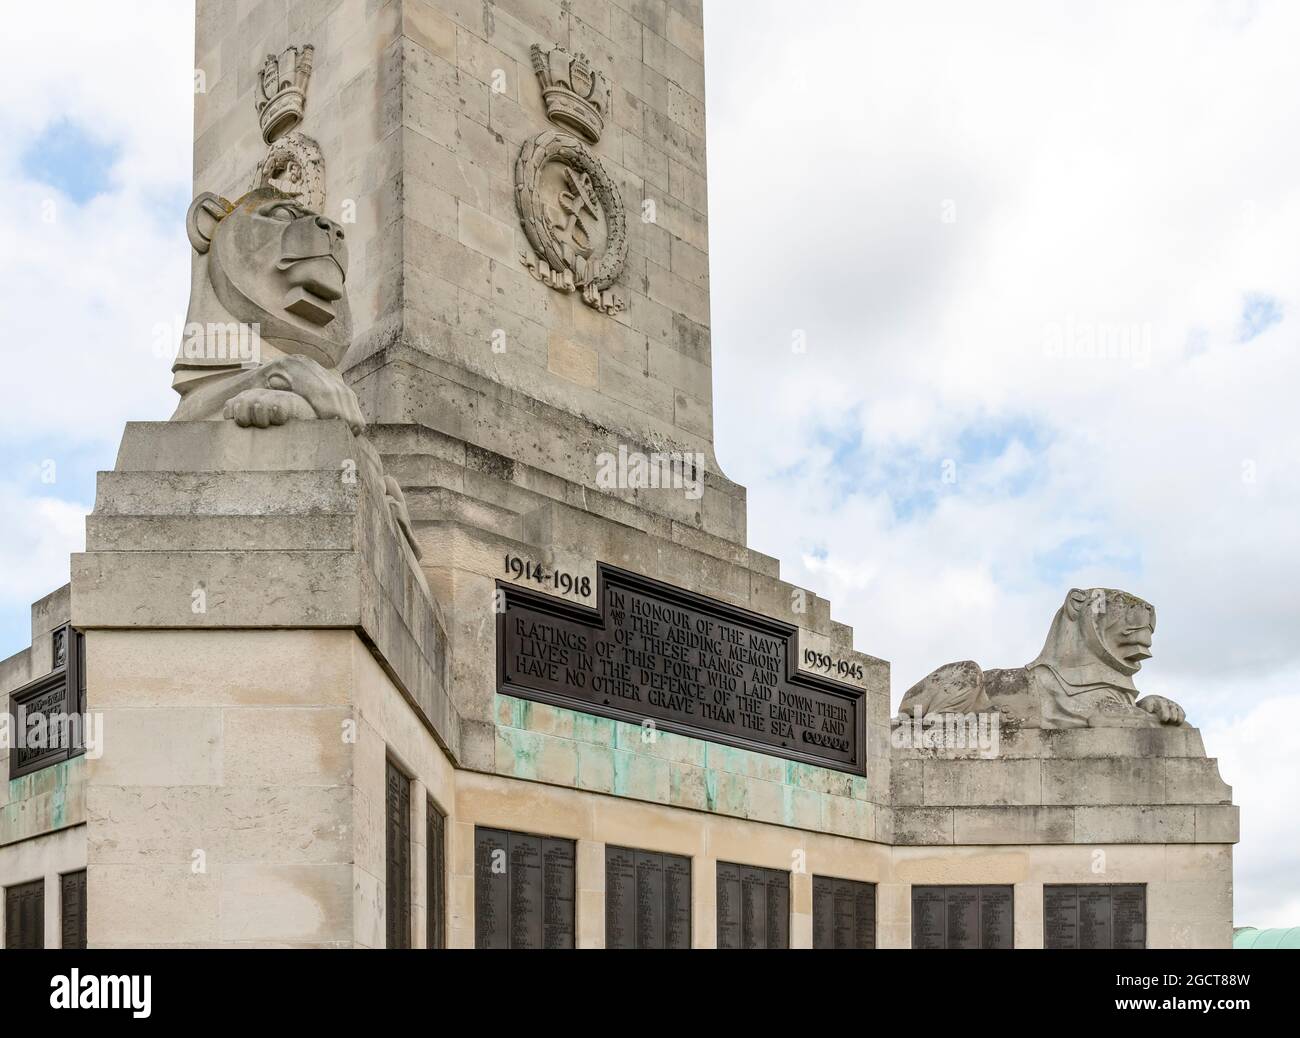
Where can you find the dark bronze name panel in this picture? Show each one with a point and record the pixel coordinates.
(647, 899)
(753, 907)
(25, 915)
(1095, 915)
(686, 663)
(963, 917)
(844, 913)
(523, 890)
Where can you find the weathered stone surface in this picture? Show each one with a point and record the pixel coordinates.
(1136, 823)
(1218, 823)
(1013, 825)
(982, 782)
(924, 826)
(1193, 780)
(1103, 780)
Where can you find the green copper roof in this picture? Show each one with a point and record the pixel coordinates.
(1279, 937)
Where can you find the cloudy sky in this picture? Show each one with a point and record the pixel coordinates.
(1013, 287)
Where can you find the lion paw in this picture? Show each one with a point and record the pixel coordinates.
(1165, 710)
(323, 389)
(266, 407)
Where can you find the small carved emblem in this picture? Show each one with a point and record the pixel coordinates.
(570, 208)
(60, 647)
(295, 167)
(294, 164)
(577, 97)
(573, 216)
(282, 91)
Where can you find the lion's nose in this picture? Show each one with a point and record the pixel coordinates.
(327, 225)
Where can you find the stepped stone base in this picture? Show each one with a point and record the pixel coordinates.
(240, 798)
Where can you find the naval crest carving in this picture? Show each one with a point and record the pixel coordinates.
(570, 208)
(282, 90)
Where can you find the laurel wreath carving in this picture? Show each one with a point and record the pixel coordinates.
(557, 146)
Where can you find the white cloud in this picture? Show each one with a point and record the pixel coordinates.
(1114, 170)
(123, 72)
(82, 287)
(1257, 751)
(39, 533)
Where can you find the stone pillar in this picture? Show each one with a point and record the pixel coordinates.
(422, 109)
(591, 894)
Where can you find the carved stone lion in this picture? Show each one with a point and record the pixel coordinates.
(1083, 678)
(269, 322)
(268, 319)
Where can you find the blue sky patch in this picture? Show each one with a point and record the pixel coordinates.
(916, 480)
(1072, 556)
(70, 160)
(1259, 312)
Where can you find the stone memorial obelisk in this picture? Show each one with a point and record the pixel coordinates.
(430, 620)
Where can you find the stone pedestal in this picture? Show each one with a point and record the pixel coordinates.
(258, 642)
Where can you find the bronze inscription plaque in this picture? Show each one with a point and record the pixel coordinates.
(844, 913)
(647, 899)
(687, 664)
(1095, 915)
(753, 907)
(523, 890)
(962, 917)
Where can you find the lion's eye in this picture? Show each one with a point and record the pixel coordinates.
(282, 212)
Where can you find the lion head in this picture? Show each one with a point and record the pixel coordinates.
(1099, 637)
(269, 264)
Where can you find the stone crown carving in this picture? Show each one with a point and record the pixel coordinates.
(576, 96)
(282, 91)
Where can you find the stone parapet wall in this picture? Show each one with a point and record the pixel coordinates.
(1083, 785)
